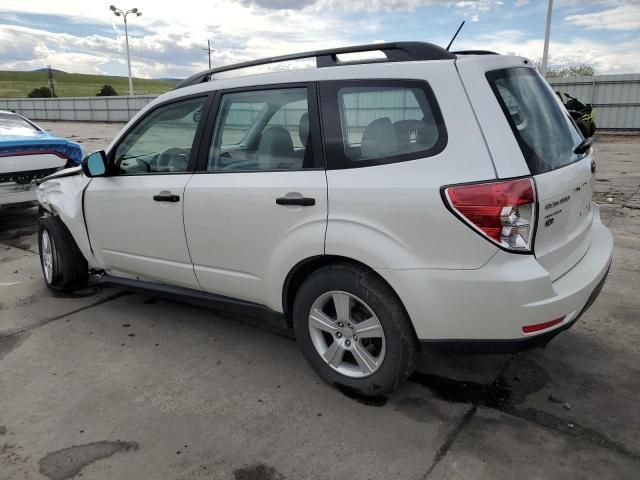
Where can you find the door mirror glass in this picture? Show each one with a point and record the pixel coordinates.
(95, 165)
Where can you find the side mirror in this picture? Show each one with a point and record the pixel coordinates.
(95, 164)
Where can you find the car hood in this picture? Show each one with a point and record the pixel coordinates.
(65, 172)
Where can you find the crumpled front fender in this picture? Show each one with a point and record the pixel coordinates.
(62, 197)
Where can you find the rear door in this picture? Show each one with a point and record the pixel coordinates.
(536, 128)
(258, 204)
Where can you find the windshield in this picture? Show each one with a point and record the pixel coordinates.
(11, 124)
(544, 130)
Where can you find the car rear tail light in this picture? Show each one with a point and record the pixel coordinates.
(504, 212)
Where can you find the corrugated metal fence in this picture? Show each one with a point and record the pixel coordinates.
(615, 97)
(84, 109)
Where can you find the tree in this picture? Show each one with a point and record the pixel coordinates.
(41, 92)
(582, 70)
(107, 91)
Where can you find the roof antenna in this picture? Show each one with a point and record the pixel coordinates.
(455, 35)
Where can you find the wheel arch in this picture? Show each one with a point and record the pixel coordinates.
(303, 269)
(63, 197)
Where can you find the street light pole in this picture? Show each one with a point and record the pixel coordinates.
(547, 34)
(119, 13)
(126, 36)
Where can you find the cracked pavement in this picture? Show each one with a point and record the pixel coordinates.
(113, 384)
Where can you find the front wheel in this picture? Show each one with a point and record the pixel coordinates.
(353, 330)
(63, 266)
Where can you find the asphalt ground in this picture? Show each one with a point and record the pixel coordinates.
(111, 384)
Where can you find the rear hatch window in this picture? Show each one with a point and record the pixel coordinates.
(545, 132)
(564, 180)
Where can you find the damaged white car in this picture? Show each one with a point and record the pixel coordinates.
(434, 197)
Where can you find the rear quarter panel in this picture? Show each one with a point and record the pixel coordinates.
(506, 153)
(392, 216)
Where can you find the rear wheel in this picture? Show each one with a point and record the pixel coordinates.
(353, 330)
(63, 265)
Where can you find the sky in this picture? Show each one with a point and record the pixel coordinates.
(169, 39)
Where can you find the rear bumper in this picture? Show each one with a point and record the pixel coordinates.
(14, 193)
(515, 345)
(486, 309)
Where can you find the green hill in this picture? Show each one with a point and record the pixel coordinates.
(19, 84)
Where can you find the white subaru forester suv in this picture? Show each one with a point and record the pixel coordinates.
(371, 204)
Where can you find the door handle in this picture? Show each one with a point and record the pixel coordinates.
(302, 201)
(166, 197)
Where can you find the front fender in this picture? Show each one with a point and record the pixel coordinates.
(63, 197)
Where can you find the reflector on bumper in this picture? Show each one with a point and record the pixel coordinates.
(542, 326)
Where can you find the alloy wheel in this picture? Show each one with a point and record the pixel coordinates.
(47, 256)
(347, 334)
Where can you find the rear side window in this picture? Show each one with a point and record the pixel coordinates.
(375, 122)
(262, 130)
(545, 132)
(240, 118)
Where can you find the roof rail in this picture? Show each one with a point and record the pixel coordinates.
(395, 52)
(476, 52)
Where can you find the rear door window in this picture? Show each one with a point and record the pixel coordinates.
(546, 134)
(375, 122)
(262, 130)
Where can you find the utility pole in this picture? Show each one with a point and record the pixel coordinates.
(547, 34)
(120, 13)
(209, 50)
(52, 82)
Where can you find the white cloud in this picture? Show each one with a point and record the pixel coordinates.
(176, 35)
(622, 59)
(521, 3)
(623, 17)
(173, 37)
(477, 5)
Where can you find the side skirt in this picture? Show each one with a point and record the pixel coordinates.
(274, 321)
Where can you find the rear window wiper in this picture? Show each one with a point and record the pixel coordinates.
(584, 146)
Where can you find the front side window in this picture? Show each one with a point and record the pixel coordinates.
(162, 141)
(376, 122)
(543, 129)
(262, 130)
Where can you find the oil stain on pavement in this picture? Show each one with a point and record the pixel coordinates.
(66, 463)
(258, 471)
(11, 342)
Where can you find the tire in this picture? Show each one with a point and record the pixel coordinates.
(68, 267)
(368, 298)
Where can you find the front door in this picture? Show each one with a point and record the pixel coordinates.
(135, 214)
(259, 204)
